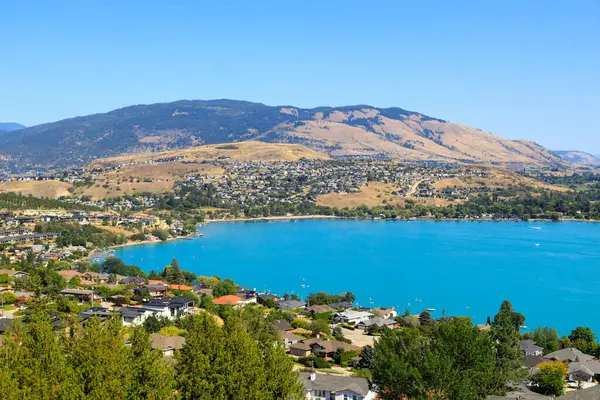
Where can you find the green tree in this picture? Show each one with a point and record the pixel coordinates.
(546, 338)
(505, 333)
(151, 377)
(224, 287)
(101, 360)
(582, 333)
(229, 362)
(550, 379)
(366, 357)
(452, 361)
(425, 318)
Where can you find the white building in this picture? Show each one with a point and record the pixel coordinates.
(351, 316)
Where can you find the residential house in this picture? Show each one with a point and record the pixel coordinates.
(167, 344)
(377, 321)
(282, 325)
(69, 274)
(317, 309)
(98, 312)
(569, 354)
(247, 295)
(134, 316)
(289, 305)
(170, 307)
(290, 339)
(159, 290)
(5, 324)
(583, 371)
(132, 280)
(82, 296)
(342, 305)
(531, 348)
(300, 349)
(389, 313)
(156, 282)
(184, 288)
(263, 297)
(352, 317)
(229, 299)
(582, 367)
(327, 348)
(14, 274)
(335, 387)
(201, 289)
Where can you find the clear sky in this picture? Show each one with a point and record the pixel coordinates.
(520, 69)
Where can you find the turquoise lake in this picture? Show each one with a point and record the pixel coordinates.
(549, 271)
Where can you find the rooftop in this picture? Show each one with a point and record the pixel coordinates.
(335, 383)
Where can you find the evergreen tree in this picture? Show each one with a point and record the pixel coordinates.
(151, 377)
(425, 318)
(505, 334)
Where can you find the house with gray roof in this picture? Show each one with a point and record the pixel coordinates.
(289, 305)
(531, 348)
(569, 354)
(167, 344)
(335, 387)
(377, 321)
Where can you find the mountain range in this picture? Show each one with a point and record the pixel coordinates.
(350, 131)
(10, 126)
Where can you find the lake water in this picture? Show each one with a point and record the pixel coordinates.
(549, 271)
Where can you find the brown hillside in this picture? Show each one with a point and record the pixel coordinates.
(242, 151)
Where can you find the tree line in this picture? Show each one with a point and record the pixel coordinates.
(243, 358)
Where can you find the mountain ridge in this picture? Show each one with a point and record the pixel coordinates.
(10, 126)
(347, 131)
(579, 157)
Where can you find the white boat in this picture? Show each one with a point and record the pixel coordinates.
(431, 309)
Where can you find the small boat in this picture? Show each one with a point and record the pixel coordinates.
(539, 228)
(537, 245)
(431, 309)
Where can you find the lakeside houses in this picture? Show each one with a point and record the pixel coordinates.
(247, 183)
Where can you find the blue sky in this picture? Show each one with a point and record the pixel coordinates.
(519, 69)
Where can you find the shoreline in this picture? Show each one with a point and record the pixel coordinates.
(282, 218)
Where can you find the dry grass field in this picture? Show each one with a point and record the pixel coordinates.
(53, 188)
(242, 151)
(370, 195)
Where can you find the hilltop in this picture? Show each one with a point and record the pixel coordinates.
(578, 157)
(10, 126)
(350, 131)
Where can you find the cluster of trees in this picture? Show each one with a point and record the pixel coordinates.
(173, 274)
(241, 359)
(447, 360)
(17, 201)
(325, 298)
(79, 235)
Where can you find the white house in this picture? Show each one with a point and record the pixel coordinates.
(170, 307)
(351, 316)
(134, 316)
(335, 387)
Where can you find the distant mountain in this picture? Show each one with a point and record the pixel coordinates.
(360, 130)
(10, 126)
(578, 157)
